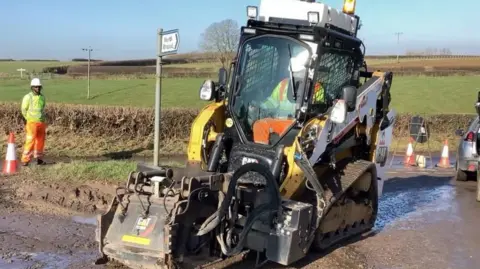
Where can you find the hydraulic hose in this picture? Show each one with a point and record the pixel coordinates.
(271, 185)
(211, 222)
(254, 216)
(269, 207)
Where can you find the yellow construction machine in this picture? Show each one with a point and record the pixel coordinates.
(288, 157)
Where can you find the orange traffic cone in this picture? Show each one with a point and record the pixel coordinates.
(409, 156)
(10, 164)
(444, 160)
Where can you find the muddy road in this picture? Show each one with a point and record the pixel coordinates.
(426, 220)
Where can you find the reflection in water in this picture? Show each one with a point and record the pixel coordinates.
(85, 220)
(43, 260)
(410, 201)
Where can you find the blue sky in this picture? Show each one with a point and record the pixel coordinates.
(125, 29)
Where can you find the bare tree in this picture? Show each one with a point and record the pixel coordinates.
(429, 52)
(446, 51)
(222, 39)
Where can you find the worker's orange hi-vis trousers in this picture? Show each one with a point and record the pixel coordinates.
(35, 141)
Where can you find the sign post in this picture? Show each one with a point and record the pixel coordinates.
(21, 70)
(167, 43)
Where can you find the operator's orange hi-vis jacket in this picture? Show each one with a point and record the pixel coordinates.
(33, 106)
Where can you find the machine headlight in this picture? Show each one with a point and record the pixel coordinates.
(206, 91)
(313, 17)
(252, 12)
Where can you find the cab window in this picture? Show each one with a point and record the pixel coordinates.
(334, 71)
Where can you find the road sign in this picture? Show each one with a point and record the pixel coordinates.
(167, 43)
(21, 70)
(170, 42)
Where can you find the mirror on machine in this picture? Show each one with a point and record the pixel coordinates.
(459, 132)
(477, 104)
(207, 91)
(222, 76)
(350, 97)
(344, 105)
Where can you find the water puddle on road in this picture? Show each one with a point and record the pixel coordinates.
(44, 260)
(46, 241)
(407, 203)
(14, 263)
(85, 220)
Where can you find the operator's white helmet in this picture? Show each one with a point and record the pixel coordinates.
(299, 61)
(35, 82)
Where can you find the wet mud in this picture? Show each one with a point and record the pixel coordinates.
(424, 221)
(43, 196)
(44, 241)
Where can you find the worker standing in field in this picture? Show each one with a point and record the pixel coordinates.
(33, 105)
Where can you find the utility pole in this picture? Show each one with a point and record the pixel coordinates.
(398, 44)
(88, 70)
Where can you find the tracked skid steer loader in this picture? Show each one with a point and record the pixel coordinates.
(289, 156)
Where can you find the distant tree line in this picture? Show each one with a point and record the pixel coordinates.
(85, 60)
(29, 60)
(48, 60)
(429, 51)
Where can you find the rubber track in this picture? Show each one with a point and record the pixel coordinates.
(352, 173)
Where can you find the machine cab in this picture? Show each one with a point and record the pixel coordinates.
(269, 86)
(292, 64)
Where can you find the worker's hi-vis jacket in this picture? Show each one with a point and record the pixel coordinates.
(279, 100)
(318, 93)
(33, 107)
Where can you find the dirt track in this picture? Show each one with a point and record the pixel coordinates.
(425, 221)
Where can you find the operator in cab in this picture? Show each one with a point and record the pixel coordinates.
(280, 105)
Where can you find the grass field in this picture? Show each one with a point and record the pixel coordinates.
(412, 94)
(435, 95)
(101, 172)
(135, 92)
(30, 66)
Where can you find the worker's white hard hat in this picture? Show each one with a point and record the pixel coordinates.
(299, 61)
(35, 82)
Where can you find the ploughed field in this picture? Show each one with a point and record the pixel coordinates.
(203, 65)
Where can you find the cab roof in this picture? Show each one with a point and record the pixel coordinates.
(301, 13)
